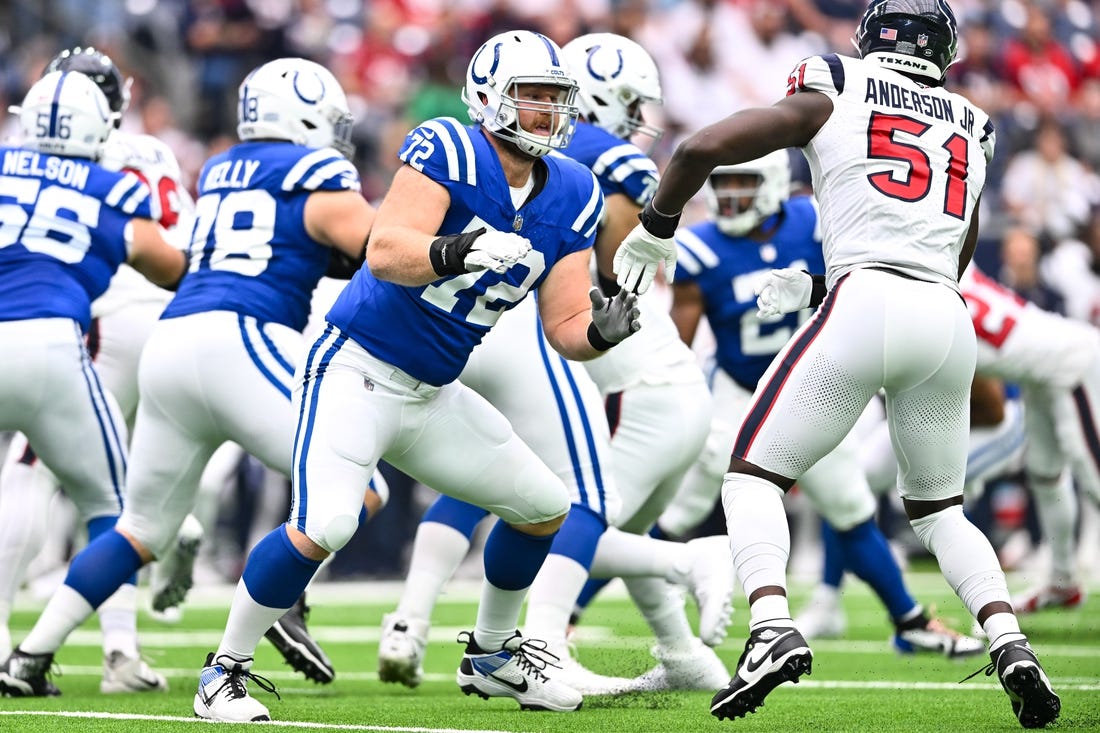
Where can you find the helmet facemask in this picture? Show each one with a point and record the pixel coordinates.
(741, 197)
(517, 80)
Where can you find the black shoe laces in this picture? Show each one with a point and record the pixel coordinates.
(235, 680)
(532, 656)
(990, 668)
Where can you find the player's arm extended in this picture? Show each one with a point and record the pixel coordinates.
(987, 402)
(579, 322)
(341, 220)
(743, 136)
(149, 253)
(405, 226)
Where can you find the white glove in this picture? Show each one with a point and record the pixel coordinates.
(783, 291)
(496, 251)
(637, 258)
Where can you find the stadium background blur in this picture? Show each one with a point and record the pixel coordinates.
(1034, 66)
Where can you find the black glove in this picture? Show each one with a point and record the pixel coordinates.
(613, 319)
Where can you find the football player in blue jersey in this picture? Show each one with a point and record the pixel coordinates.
(899, 165)
(218, 366)
(67, 226)
(556, 408)
(754, 227)
(476, 218)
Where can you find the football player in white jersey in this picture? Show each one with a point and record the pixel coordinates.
(476, 218)
(219, 362)
(71, 223)
(898, 166)
(1056, 362)
(538, 392)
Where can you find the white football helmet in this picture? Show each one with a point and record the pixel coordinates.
(65, 113)
(297, 100)
(503, 63)
(616, 76)
(772, 188)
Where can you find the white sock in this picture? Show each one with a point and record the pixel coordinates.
(966, 558)
(65, 611)
(662, 606)
(437, 552)
(624, 555)
(118, 621)
(1001, 628)
(552, 598)
(1056, 503)
(759, 537)
(497, 616)
(247, 623)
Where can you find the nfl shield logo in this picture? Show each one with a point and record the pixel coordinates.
(922, 40)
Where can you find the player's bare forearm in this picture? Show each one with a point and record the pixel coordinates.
(570, 337)
(743, 136)
(400, 255)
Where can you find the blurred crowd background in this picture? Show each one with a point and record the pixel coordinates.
(1033, 65)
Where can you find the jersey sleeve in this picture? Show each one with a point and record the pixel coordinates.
(823, 74)
(590, 213)
(323, 169)
(129, 195)
(626, 169)
(988, 140)
(693, 256)
(442, 150)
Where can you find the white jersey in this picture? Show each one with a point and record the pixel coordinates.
(1020, 342)
(156, 165)
(904, 165)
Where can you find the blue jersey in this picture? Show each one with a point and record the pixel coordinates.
(429, 331)
(62, 233)
(250, 253)
(619, 166)
(728, 269)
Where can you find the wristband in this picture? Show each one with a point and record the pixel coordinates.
(596, 339)
(658, 224)
(817, 290)
(448, 254)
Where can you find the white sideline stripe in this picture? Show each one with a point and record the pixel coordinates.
(269, 723)
(603, 637)
(1084, 684)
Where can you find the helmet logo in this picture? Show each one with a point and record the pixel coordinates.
(600, 77)
(492, 69)
(922, 40)
(309, 88)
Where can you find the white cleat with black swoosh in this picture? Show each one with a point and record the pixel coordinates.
(773, 655)
(520, 670)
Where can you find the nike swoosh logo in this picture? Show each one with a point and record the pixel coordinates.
(751, 665)
(517, 687)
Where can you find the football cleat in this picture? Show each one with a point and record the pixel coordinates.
(711, 582)
(26, 675)
(1034, 701)
(936, 636)
(696, 668)
(1048, 596)
(518, 671)
(401, 649)
(129, 674)
(223, 693)
(773, 655)
(575, 675)
(291, 637)
(175, 574)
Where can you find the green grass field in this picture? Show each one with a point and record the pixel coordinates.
(858, 684)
